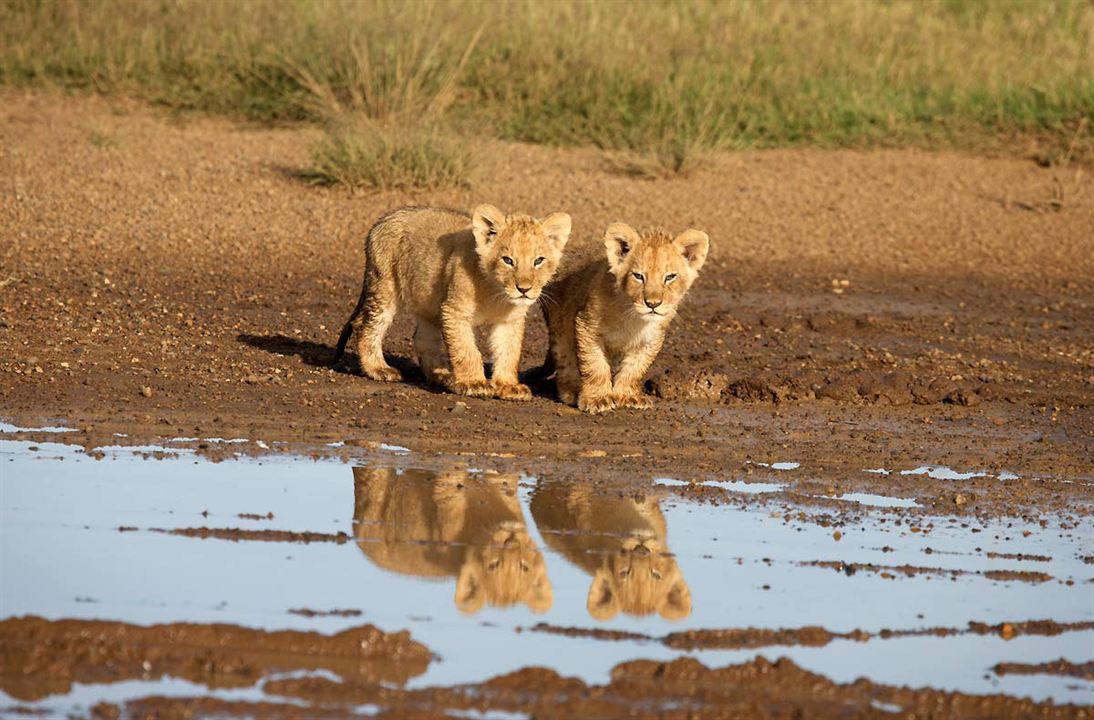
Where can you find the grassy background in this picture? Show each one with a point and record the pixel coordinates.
(659, 84)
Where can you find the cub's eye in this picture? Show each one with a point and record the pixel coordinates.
(639, 277)
(507, 260)
(538, 261)
(669, 278)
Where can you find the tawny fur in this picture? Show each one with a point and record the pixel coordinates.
(452, 524)
(607, 321)
(619, 541)
(454, 273)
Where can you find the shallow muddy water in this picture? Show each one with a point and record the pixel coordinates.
(494, 572)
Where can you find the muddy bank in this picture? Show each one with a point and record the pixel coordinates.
(879, 309)
(681, 689)
(40, 657)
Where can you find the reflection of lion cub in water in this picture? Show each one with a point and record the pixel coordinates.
(620, 542)
(452, 525)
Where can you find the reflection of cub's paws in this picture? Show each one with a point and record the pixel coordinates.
(512, 391)
(633, 400)
(382, 373)
(595, 404)
(476, 388)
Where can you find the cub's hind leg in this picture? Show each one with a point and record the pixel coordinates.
(375, 319)
(567, 375)
(429, 345)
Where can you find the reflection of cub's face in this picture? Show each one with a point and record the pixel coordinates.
(506, 571)
(639, 579)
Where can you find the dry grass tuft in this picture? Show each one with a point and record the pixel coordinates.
(388, 156)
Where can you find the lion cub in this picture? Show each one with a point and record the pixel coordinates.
(609, 322)
(455, 273)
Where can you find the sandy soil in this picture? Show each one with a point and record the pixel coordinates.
(164, 276)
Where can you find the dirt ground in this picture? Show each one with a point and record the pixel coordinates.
(166, 276)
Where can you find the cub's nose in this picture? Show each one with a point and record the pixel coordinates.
(653, 304)
(523, 290)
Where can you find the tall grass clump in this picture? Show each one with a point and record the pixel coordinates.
(385, 156)
(658, 84)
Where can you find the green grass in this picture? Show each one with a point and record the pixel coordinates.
(657, 84)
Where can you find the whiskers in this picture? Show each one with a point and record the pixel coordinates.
(546, 298)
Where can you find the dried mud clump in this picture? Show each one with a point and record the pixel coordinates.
(40, 657)
(238, 534)
(702, 385)
(745, 638)
(1061, 667)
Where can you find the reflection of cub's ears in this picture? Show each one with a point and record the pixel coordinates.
(603, 604)
(471, 596)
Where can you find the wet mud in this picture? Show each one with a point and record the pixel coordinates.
(41, 658)
(757, 689)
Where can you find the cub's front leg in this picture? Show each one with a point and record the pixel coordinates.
(506, 339)
(458, 331)
(627, 387)
(596, 372)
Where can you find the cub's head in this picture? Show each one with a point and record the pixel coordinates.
(519, 252)
(508, 570)
(641, 578)
(654, 270)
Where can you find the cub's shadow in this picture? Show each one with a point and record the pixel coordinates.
(320, 355)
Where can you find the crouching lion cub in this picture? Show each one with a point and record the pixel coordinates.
(609, 322)
(455, 273)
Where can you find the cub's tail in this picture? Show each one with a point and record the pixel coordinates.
(351, 324)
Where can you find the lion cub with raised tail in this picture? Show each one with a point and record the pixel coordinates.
(609, 321)
(455, 273)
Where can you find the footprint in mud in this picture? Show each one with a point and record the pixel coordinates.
(452, 524)
(621, 542)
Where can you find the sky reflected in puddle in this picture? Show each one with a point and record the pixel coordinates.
(471, 561)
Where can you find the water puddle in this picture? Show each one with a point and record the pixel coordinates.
(495, 572)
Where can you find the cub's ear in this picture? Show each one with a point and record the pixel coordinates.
(602, 603)
(677, 603)
(470, 596)
(556, 227)
(539, 597)
(486, 223)
(619, 239)
(693, 245)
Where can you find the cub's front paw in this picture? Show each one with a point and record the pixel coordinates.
(512, 391)
(382, 373)
(595, 404)
(475, 388)
(633, 400)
